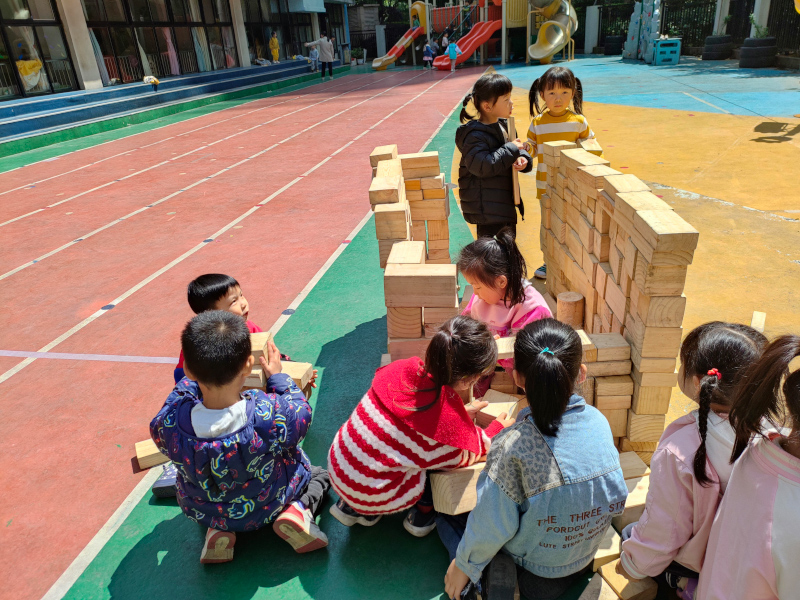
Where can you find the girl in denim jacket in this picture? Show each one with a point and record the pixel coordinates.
(551, 484)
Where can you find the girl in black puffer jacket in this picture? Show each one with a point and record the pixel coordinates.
(488, 157)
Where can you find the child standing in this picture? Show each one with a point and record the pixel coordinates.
(413, 420)
(549, 477)
(313, 56)
(274, 46)
(558, 87)
(427, 55)
(452, 52)
(488, 156)
(239, 466)
(755, 539)
(690, 468)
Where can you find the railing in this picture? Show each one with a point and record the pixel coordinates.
(130, 69)
(188, 61)
(614, 20)
(60, 73)
(159, 65)
(739, 24)
(218, 57)
(368, 41)
(8, 83)
(784, 24)
(691, 20)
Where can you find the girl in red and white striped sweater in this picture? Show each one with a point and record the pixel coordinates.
(413, 419)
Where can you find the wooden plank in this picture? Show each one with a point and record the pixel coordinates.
(258, 344)
(759, 321)
(421, 172)
(386, 190)
(435, 194)
(659, 311)
(420, 285)
(628, 589)
(581, 158)
(381, 153)
(651, 400)
(505, 347)
(666, 231)
(418, 160)
(591, 146)
(607, 368)
(392, 221)
(629, 203)
(555, 148)
(634, 505)
(612, 402)
(661, 380)
(598, 589)
(652, 365)
(438, 230)
(440, 315)
(300, 372)
(585, 232)
(401, 348)
(430, 210)
(628, 446)
(589, 348)
(414, 195)
(407, 253)
(418, 231)
(512, 135)
(404, 322)
(454, 491)
(616, 385)
(632, 465)
(611, 347)
(413, 185)
(609, 549)
(616, 184)
(592, 176)
(148, 455)
(432, 183)
(385, 249)
(617, 419)
(256, 379)
(616, 299)
(652, 342)
(645, 428)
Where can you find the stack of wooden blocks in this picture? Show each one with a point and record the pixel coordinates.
(605, 235)
(410, 201)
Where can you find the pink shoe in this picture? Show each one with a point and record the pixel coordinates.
(218, 547)
(296, 525)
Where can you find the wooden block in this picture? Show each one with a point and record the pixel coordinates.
(609, 549)
(430, 210)
(659, 311)
(418, 231)
(420, 285)
(662, 380)
(385, 249)
(256, 379)
(401, 348)
(634, 505)
(421, 172)
(392, 221)
(651, 365)
(505, 347)
(612, 402)
(300, 372)
(629, 203)
(616, 184)
(591, 146)
(414, 196)
(440, 315)
(148, 455)
(585, 232)
(589, 348)
(374, 172)
(439, 245)
(615, 261)
(602, 245)
(570, 309)
(645, 428)
(581, 158)
(602, 220)
(555, 148)
(652, 342)
(651, 400)
(407, 253)
(557, 206)
(617, 419)
(598, 589)
(586, 390)
(432, 183)
(759, 321)
(666, 231)
(380, 153)
(434, 194)
(499, 403)
(616, 385)
(574, 243)
(413, 185)
(627, 589)
(386, 190)
(454, 491)
(420, 160)
(438, 230)
(502, 382)
(605, 369)
(628, 446)
(601, 277)
(404, 322)
(611, 347)
(645, 456)
(258, 344)
(616, 300)
(385, 359)
(632, 465)
(597, 324)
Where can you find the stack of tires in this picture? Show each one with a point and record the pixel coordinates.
(613, 45)
(756, 53)
(718, 47)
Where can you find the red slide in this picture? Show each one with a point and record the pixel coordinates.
(479, 34)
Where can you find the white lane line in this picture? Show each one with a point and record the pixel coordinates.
(708, 103)
(97, 314)
(174, 158)
(64, 583)
(204, 179)
(97, 357)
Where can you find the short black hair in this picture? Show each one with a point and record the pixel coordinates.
(205, 291)
(215, 346)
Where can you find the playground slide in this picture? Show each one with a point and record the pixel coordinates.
(479, 35)
(417, 11)
(555, 32)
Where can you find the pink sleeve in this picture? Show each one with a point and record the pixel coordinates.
(667, 522)
(468, 310)
(540, 312)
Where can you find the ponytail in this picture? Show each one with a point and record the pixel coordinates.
(487, 258)
(548, 354)
(718, 354)
(533, 97)
(488, 88)
(761, 394)
(465, 116)
(577, 98)
(463, 348)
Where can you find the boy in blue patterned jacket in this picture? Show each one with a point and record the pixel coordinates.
(237, 455)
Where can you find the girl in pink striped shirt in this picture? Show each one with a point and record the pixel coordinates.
(413, 419)
(502, 296)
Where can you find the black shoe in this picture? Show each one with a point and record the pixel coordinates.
(500, 578)
(342, 512)
(418, 523)
(164, 487)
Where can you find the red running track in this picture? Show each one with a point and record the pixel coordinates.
(272, 223)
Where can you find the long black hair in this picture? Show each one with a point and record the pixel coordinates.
(718, 353)
(548, 353)
(488, 88)
(487, 258)
(767, 390)
(556, 76)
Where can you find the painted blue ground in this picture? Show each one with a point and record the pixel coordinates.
(692, 85)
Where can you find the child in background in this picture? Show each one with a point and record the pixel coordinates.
(237, 453)
(313, 56)
(427, 55)
(274, 46)
(452, 52)
(690, 468)
(488, 157)
(502, 296)
(412, 420)
(544, 475)
(755, 540)
(557, 123)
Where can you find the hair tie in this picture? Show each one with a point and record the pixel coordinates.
(547, 351)
(716, 373)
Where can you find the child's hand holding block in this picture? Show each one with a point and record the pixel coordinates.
(454, 491)
(628, 589)
(301, 373)
(499, 403)
(258, 344)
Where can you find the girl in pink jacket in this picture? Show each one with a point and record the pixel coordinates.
(690, 468)
(755, 540)
(502, 296)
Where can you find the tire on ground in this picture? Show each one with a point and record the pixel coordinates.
(758, 52)
(758, 63)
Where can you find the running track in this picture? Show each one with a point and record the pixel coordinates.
(97, 249)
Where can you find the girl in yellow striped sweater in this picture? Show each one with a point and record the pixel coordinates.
(558, 87)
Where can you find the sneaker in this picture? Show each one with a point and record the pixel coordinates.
(418, 523)
(296, 525)
(164, 487)
(342, 512)
(500, 578)
(541, 272)
(218, 547)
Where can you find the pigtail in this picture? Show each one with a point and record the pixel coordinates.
(532, 97)
(707, 387)
(577, 98)
(465, 116)
(761, 395)
(517, 269)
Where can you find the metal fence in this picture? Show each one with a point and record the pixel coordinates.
(784, 24)
(691, 20)
(614, 20)
(368, 41)
(738, 26)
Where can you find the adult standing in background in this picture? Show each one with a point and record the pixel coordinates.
(325, 53)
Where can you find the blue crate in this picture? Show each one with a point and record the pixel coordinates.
(667, 52)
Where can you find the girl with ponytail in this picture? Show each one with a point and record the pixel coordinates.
(413, 419)
(551, 485)
(502, 296)
(755, 539)
(690, 467)
(489, 156)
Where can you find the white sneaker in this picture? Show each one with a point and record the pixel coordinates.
(296, 525)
